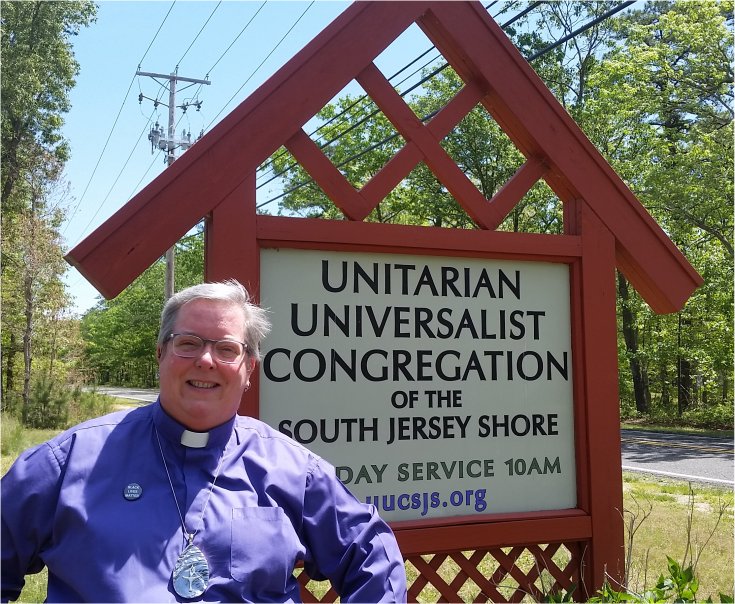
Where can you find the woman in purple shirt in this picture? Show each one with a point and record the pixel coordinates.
(184, 500)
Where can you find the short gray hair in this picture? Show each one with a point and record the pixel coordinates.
(257, 324)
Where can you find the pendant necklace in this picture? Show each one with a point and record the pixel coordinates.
(191, 571)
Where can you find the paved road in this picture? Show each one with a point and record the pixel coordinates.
(680, 456)
(141, 395)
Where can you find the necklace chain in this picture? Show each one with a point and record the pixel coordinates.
(189, 536)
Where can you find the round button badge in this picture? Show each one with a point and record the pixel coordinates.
(133, 491)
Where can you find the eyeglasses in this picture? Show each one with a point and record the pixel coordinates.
(189, 346)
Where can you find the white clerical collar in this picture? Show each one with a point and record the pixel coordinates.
(195, 440)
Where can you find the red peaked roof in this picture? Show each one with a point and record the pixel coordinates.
(493, 70)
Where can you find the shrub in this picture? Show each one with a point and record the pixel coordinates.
(13, 435)
(47, 405)
(711, 418)
(86, 404)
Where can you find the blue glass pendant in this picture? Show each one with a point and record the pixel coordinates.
(191, 573)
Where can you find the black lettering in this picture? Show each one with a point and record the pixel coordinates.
(518, 324)
(520, 365)
(325, 277)
(361, 273)
(426, 279)
(453, 377)
(475, 366)
(536, 314)
(350, 368)
(295, 320)
(403, 473)
(514, 285)
(404, 268)
(342, 323)
(401, 359)
(378, 327)
(365, 369)
(400, 320)
(321, 365)
(423, 318)
(562, 368)
(443, 317)
(484, 283)
(449, 278)
(466, 323)
(424, 365)
(267, 368)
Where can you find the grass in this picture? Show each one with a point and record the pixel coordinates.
(14, 439)
(646, 427)
(691, 523)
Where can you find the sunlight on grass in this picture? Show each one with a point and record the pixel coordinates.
(669, 510)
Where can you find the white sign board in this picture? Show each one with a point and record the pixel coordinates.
(437, 386)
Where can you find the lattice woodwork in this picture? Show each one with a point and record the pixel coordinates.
(422, 144)
(510, 574)
(604, 226)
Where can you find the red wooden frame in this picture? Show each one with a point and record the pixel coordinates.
(604, 227)
(597, 520)
(475, 46)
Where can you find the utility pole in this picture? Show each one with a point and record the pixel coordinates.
(170, 144)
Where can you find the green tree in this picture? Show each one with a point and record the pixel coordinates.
(660, 109)
(38, 72)
(652, 88)
(120, 334)
(33, 292)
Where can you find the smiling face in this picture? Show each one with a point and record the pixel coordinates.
(201, 392)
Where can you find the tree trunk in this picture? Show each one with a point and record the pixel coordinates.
(27, 341)
(9, 357)
(683, 373)
(684, 388)
(638, 372)
(28, 301)
(725, 387)
(664, 379)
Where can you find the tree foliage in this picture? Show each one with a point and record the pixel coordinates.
(120, 334)
(660, 109)
(652, 88)
(38, 73)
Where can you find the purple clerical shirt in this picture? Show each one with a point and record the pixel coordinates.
(95, 506)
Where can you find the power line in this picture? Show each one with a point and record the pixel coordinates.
(117, 117)
(508, 23)
(261, 63)
(161, 91)
(112, 186)
(198, 34)
(377, 111)
(580, 30)
(387, 139)
(158, 31)
(237, 37)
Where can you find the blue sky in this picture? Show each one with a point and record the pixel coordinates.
(236, 44)
(102, 178)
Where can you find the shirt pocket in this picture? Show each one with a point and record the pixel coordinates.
(264, 548)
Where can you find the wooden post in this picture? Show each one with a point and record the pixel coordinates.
(231, 252)
(599, 350)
